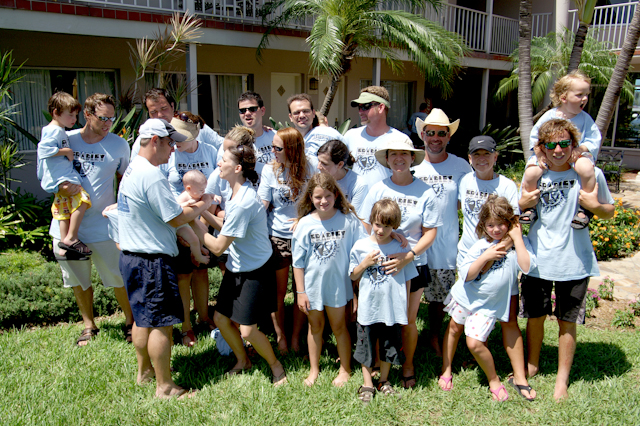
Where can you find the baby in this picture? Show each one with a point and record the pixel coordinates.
(194, 183)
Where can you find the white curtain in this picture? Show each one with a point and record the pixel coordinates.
(31, 96)
(90, 82)
(228, 88)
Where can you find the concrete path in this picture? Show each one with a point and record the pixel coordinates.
(626, 271)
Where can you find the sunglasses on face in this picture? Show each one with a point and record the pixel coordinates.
(277, 148)
(104, 119)
(252, 109)
(432, 133)
(367, 106)
(563, 144)
(170, 142)
(184, 117)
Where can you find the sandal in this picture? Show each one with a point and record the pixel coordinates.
(279, 380)
(496, 394)
(365, 394)
(581, 222)
(520, 388)
(78, 247)
(406, 379)
(528, 216)
(386, 389)
(191, 338)
(446, 381)
(128, 333)
(86, 335)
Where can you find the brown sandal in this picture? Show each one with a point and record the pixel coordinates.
(86, 335)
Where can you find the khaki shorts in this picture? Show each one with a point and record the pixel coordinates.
(105, 257)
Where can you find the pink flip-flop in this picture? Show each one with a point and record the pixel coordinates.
(446, 381)
(496, 392)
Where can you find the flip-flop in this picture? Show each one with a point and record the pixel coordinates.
(237, 371)
(520, 388)
(446, 381)
(78, 247)
(280, 380)
(70, 255)
(406, 379)
(496, 393)
(189, 334)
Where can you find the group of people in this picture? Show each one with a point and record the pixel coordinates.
(367, 222)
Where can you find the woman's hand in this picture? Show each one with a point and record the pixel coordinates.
(397, 261)
(303, 303)
(400, 238)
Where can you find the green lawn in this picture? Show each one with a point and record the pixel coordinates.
(46, 380)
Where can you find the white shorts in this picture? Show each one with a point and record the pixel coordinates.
(106, 258)
(476, 326)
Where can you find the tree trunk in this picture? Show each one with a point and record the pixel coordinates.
(525, 106)
(331, 94)
(578, 44)
(612, 94)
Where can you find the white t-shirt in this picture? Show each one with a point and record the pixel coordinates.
(318, 136)
(145, 205)
(417, 204)
(97, 165)
(382, 297)
(444, 179)
(472, 193)
(52, 171)
(322, 248)
(563, 253)
(263, 143)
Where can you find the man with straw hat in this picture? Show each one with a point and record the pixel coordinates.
(373, 107)
(443, 171)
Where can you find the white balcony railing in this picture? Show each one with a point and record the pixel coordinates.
(610, 23)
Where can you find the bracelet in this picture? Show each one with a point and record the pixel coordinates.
(300, 292)
(414, 253)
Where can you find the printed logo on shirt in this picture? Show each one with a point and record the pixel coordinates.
(326, 244)
(85, 162)
(183, 168)
(406, 203)
(376, 272)
(265, 155)
(365, 159)
(284, 195)
(473, 202)
(554, 194)
(123, 203)
(438, 182)
(65, 143)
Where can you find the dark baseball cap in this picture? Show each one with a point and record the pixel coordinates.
(482, 142)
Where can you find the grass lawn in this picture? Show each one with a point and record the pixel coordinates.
(46, 380)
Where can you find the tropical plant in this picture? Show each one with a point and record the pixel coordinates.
(525, 108)
(586, 9)
(8, 77)
(345, 29)
(615, 88)
(623, 319)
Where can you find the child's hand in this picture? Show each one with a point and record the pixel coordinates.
(303, 303)
(371, 259)
(495, 252)
(541, 156)
(515, 233)
(400, 238)
(109, 207)
(216, 200)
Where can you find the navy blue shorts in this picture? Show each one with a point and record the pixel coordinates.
(152, 287)
(422, 280)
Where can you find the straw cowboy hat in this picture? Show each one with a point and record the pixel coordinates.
(437, 117)
(399, 143)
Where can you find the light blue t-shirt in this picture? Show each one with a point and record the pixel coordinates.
(278, 193)
(382, 297)
(145, 205)
(363, 148)
(589, 133)
(246, 220)
(353, 188)
(472, 193)
(322, 248)
(203, 159)
(417, 202)
(113, 227)
(444, 179)
(262, 149)
(52, 171)
(563, 253)
(318, 136)
(490, 293)
(210, 137)
(97, 165)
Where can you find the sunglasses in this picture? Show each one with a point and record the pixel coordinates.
(432, 133)
(170, 141)
(103, 119)
(277, 148)
(563, 144)
(252, 109)
(184, 117)
(367, 106)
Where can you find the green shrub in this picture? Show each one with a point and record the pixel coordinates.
(605, 289)
(634, 305)
(618, 236)
(623, 319)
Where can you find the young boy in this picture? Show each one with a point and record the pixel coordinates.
(54, 149)
(383, 297)
(194, 183)
(569, 96)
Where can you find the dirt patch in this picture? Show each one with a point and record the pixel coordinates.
(602, 316)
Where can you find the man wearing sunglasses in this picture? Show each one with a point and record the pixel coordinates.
(251, 109)
(303, 117)
(443, 171)
(148, 216)
(363, 142)
(99, 156)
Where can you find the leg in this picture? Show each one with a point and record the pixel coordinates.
(232, 336)
(184, 287)
(566, 351)
(71, 236)
(385, 367)
(159, 350)
(84, 298)
(64, 232)
(200, 293)
(314, 340)
(410, 335)
(449, 346)
(261, 344)
(485, 361)
(123, 301)
(535, 334)
(366, 374)
(532, 175)
(299, 319)
(584, 168)
(339, 328)
(513, 344)
(140, 341)
(282, 278)
(436, 315)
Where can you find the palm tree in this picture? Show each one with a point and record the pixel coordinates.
(345, 29)
(525, 107)
(619, 76)
(586, 9)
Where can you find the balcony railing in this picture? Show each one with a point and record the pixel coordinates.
(610, 23)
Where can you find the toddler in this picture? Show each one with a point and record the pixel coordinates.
(194, 183)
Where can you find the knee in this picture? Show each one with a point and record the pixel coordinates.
(316, 327)
(474, 345)
(221, 320)
(247, 331)
(455, 328)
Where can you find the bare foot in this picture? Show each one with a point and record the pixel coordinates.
(434, 341)
(560, 393)
(532, 370)
(279, 375)
(174, 392)
(311, 379)
(341, 379)
(282, 347)
(146, 377)
(242, 365)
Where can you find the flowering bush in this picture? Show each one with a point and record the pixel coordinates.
(592, 300)
(634, 305)
(617, 236)
(605, 289)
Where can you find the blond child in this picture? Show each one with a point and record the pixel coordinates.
(383, 298)
(54, 150)
(569, 96)
(194, 183)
